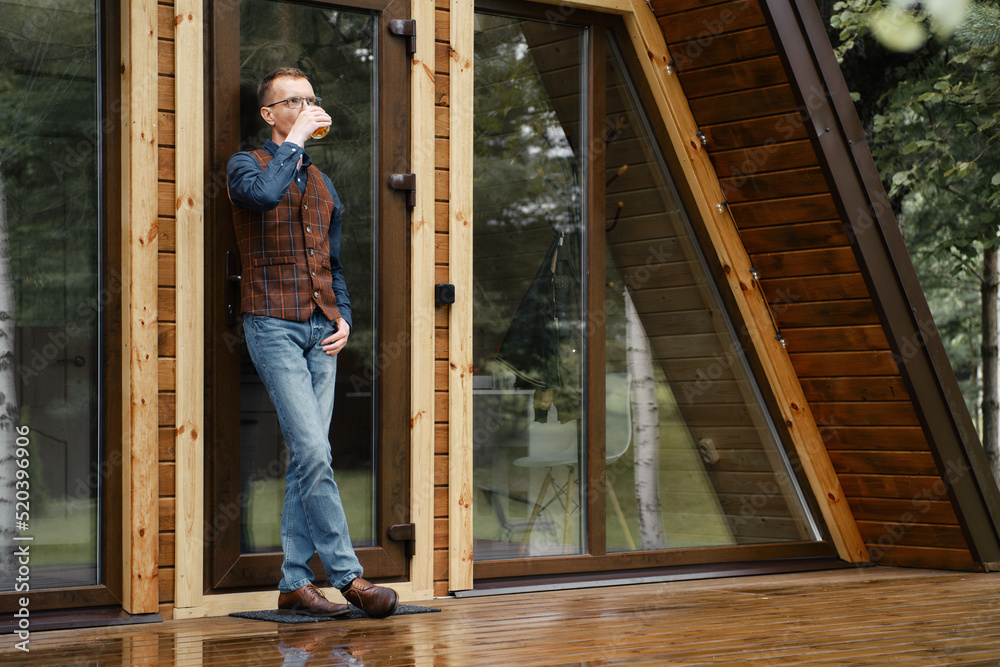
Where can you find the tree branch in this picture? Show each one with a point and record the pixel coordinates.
(961, 195)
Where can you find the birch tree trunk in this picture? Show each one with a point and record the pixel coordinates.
(8, 402)
(991, 399)
(645, 429)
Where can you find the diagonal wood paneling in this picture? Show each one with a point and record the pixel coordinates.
(745, 105)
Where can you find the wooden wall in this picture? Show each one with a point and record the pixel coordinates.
(745, 106)
(442, 60)
(167, 309)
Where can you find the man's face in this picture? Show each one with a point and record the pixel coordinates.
(279, 116)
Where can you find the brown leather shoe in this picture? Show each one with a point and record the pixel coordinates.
(310, 601)
(376, 601)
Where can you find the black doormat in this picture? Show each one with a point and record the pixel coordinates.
(273, 615)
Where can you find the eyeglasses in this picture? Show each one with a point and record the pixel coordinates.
(297, 102)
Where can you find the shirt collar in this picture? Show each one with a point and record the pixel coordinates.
(272, 148)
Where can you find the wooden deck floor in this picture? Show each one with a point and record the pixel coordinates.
(848, 617)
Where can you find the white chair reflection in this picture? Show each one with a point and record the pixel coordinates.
(557, 446)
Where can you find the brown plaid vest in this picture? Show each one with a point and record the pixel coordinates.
(285, 252)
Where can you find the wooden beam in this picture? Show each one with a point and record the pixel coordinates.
(422, 299)
(460, 483)
(140, 490)
(190, 295)
(649, 43)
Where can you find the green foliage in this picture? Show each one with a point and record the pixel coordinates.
(901, 25)
(934, 130)
(50, 142)
(981, 27)
(520, 137)
(525, 165)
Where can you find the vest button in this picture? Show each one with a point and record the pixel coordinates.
(305, 207)
(315, 295)
(313, 273)
(311, 252)
(309, 230)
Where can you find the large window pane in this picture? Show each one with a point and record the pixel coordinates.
(51, 142)
(336, 50)
(529, 290)
(692, 458)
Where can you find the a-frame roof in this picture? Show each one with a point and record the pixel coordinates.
(788, 147)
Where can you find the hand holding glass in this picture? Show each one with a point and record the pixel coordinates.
(300, 102)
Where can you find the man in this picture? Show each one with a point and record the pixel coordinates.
(297, 318)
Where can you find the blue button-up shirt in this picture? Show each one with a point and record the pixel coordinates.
(256, 189)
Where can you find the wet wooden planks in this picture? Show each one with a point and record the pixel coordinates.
(845, 617)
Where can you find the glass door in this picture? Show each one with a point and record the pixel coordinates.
(616, 416)
(352, 63)
(529, 235)
(57, 286)
(340, 47)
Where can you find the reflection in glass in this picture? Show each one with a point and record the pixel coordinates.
(335, 48)
(695, 461)
(50, 281)
(529, 293)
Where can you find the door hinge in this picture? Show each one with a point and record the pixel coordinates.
(407, 182)
(405, 28)
(404, 532)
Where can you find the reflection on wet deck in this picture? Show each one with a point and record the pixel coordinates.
(845, 617)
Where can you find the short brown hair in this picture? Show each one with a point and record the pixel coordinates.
(265, 84)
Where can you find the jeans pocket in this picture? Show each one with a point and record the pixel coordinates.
(251, 321)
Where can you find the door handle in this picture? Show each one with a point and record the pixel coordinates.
(232, 287)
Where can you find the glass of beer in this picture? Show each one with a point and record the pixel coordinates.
(320, 131)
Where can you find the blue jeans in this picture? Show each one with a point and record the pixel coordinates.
(300, 380)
